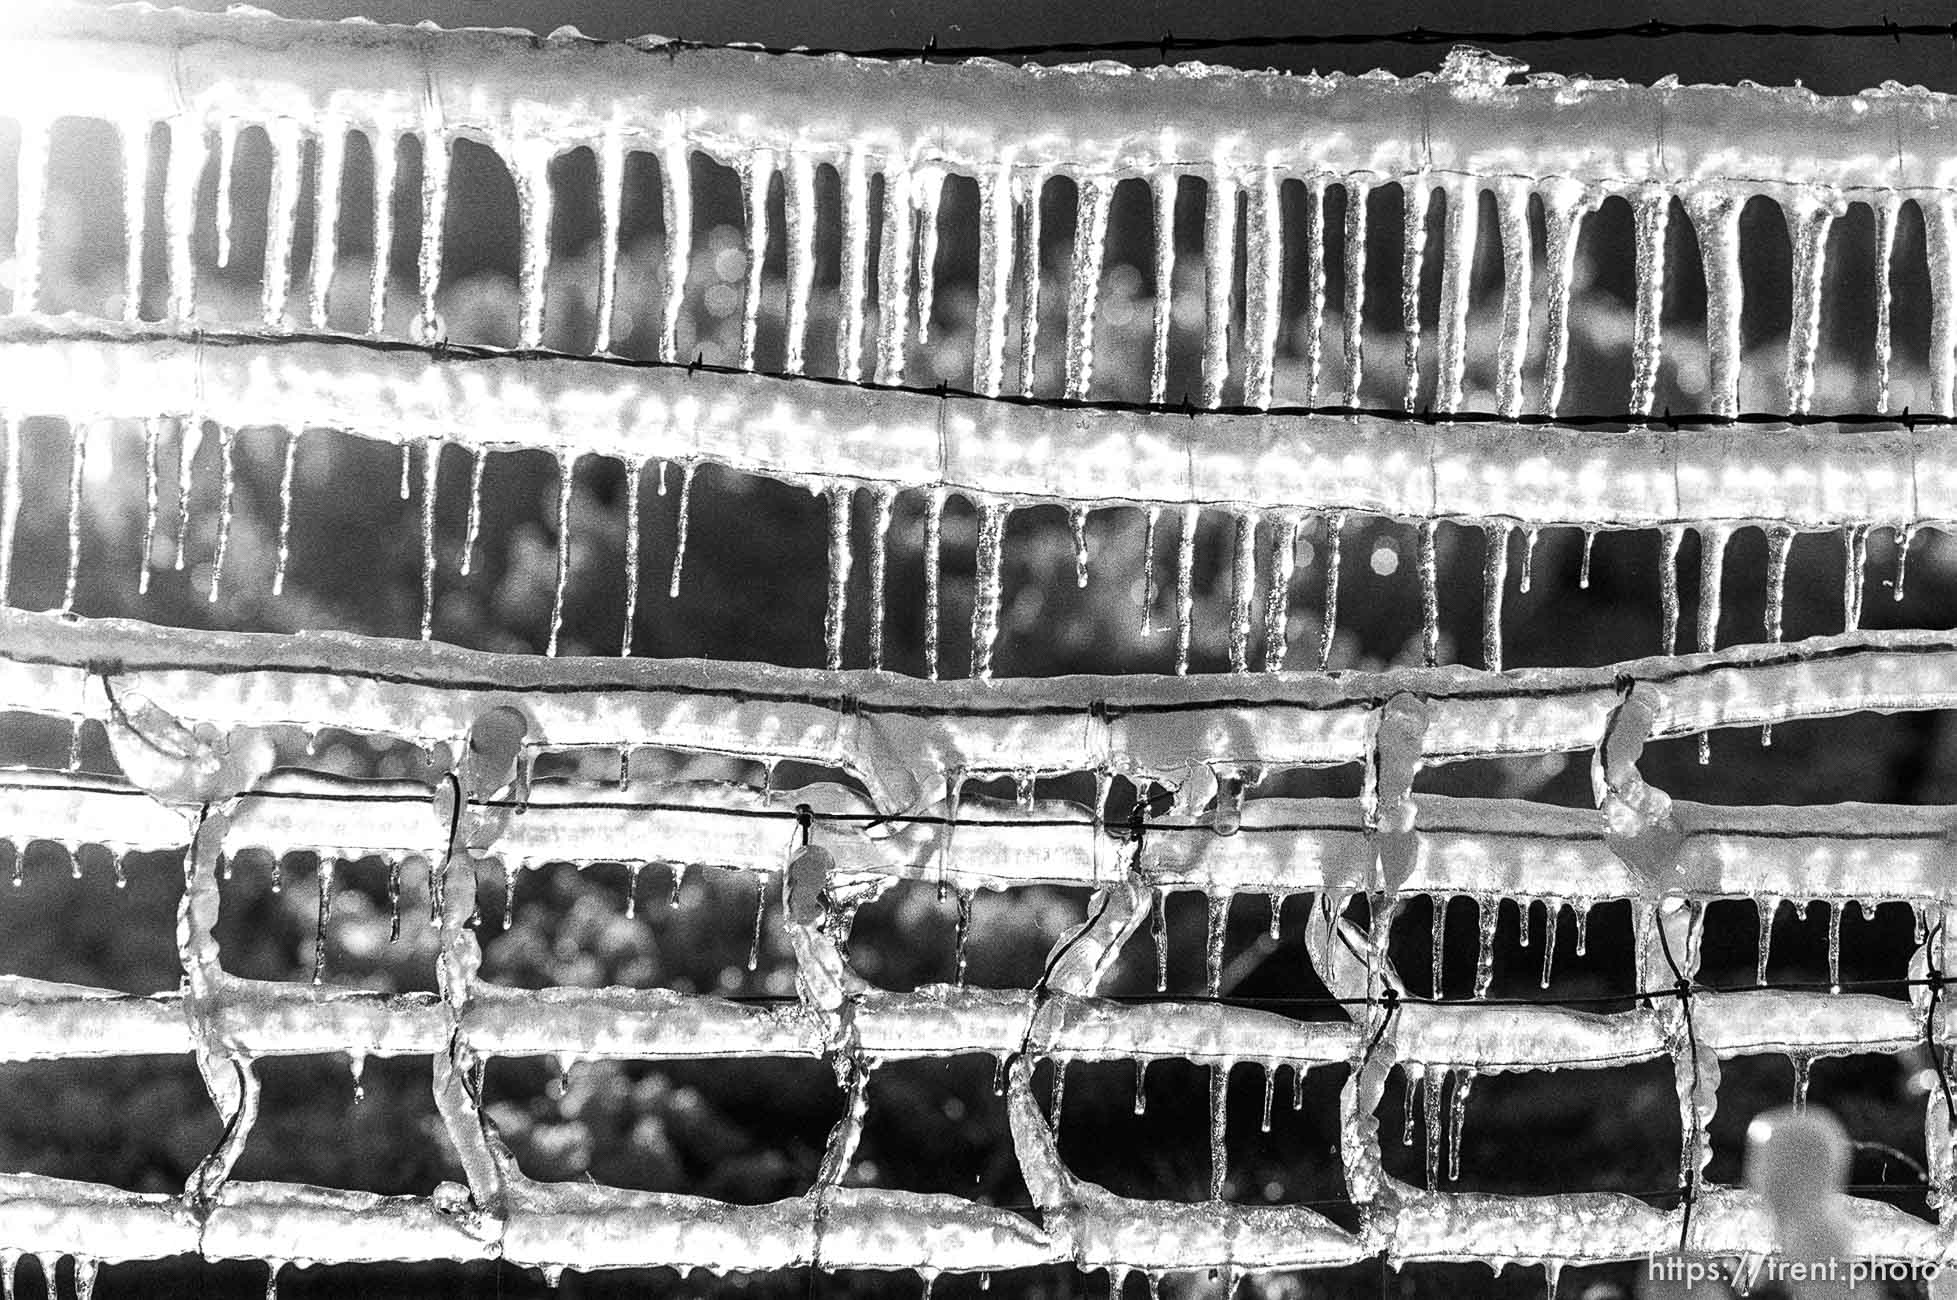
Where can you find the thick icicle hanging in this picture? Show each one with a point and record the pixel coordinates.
(1652, 218)
(841, 497)
(1810, 216)
(1243, 602)
(281, 215)
(1715, 216)
(1163, 191)
(1458, 235)
(227, 489)
(1670, 538)
(894, 276)
(1430, 593)
(1437, 934)
(934, 513)
(180, 183)
(1219, 1112)
(881, 500)
(1077, 522)
(1494, 583)
(757, 174)
(77, 465)
(434, 214)
(927, 197)
(676, 203)
(1413, 250)
(680, 519)
(135, 208)
(635, 469)
(326, 216)
(385, 141)
(1263, 285)
(1356, 194)
(1565, 204)
(1277, 598)
(530, 171)
(1886, 212)
(1186, 585)
(1220, 270)
(1518, 283)
(30, 203)
(152, 448)
(611, 207)
(850, 288)
(800, 210)
(431, 466)
(988, 582)
(1328, 631)
(1855, 562)
(566, 480)
(1314, 286)
(994, 280)
(1084, 283)
(1032, 186)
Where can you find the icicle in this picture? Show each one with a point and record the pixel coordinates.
(1437, 931)
(1219, 1119)
(1414, 193)
(1314, 286)
(1410, 1089)
(281, 215)
(963, 932)
(634, 472)
(1277, 599)
(632, 871)
(1529, 537)
(1220, 269)
(385, 144)
(1096, 195)
(1430, 594)
(999, 1075)
(1163, 189)
(850, 286)
(152, 441)
(1525, 917)
(1653, 212)
(567, 463)
(434, 213)
(1583, 566)
(880, 500)
(1159, 922)
(1277, 917)
(1491, 912)
(1077, 520)
(1552, 1276)
(842, 498)
(1712, 565)
(1834, 946)
(1298, 1072)
(760, 911)
(431, 464)
(1186, 585)
(190, 434)
(77, 465)
(676, 893)
(927, 196)
(994, 280)
(135, 211)
(180, 184)
(679, 542)
(611, 206)
(406, 481)
(1669, 538)
(1564, 207)
(319, 925)
(1431, 1096)
(1780, 539)
(1464, 1080)
(1580, 912)
(1219, 915)
(1356, 194)
(801, 214)
(934, 510)
(1940, 240)
(1059, 1098)
(1263, 285)
(1765, 908)
(1715, 216)
(1905, 534)
(1552, 916)
(1334, 526)
(1244, 592)
(676, 203)
(30, 204)
(1886, 212)
(1270, 1087)
(85, 1269)
(394, 900)
(227, 487)
(1153, 518)
(987, 585)
(530, 170)
(1518, 268)
(1855, 547)
(1494, 582)
(326, 215)
(893, 277)
(1809, 218)
(473, 529)
(285, 511)
(1802, 1064)
(1458, 233)
(357, 1066)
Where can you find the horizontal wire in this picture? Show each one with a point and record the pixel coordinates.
(1664, 420)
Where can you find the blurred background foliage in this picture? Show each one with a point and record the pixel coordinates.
(754, 589)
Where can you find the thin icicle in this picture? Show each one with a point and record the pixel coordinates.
(680, 525)
(1886, 213)
(1491, 912)
(1277, 599)
(326, 215)
(473, 529)
(1096, 196)
(927, 197)
(1328, 632)
(760, 911)
(77, 464)
(1810, 216)
(611, 207)
(567, 462)
(431, 464)
(1855, 549)
(1530, 535)
(1669, 539)
(962, 933)
(1458, 234)
(1437, 934)
(152, 446)
(1552, 916)
(1219, 916)
(676, 203)
(1431, 1095)
(385, 143)
(635, 469)
(1159, 923)
(30, 202)
(531, 173)
(1219, 1121)
(1765, 910)
(1518, 284)
(1356, 194)
(281, 215)
(1583, 565)
(1410, 1079)
(1565, 204)
(1186, 585)
(1780, 540)
(184, 174)
(1652, 217)
(1243, 604)
(1905, 534)
(880, 499)
(319, 926)
(1413, 250)
(1263, 285)
(190, 436)
(1430, 593)
(1141, 1085)
(1494, 583)
(284, 557)
(1715, 216)
(1803, 1064)
(1314, 287)
(994, 281)
(934, 514)
(1152, 519)
(1940, 246)
(842, 498)
(1163, 190)
(1059, 1099)
(227, 153)
(801, 216)
(434, 213)
(1270, 1091)
(227, 487)
(851, 285)
(894, 276)
(988, 581)
(135, 210)
(1464, 1080)
(1077, 522)
(757, 173)
(1032, 186)
(1220, 271)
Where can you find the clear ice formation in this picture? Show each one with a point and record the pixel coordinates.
(196, 720)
